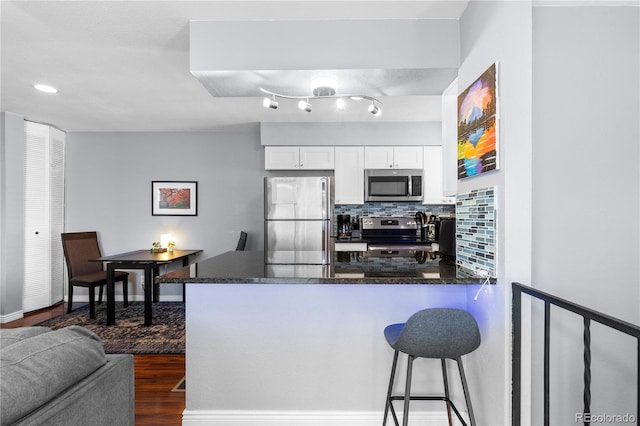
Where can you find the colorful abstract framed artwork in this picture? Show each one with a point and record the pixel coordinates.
(477, 126)
(174, 198)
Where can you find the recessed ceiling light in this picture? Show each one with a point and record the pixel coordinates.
(45, 88)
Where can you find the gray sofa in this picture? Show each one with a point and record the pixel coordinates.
(63, 377)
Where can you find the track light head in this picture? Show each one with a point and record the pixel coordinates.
(270, 103)
(304, 105)
(375, 110)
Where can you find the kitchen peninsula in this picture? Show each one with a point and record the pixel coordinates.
(301, 267)
(281, 344)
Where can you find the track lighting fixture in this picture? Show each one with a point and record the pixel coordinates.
(304, 105)
(322, 88)
(270, 103)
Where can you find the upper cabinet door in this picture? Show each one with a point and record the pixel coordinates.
(433, 177)
(281, 157)
(317, 157)
(407, 157)
(299, 157)
(378, 157)
(349, 175)
(393, 157)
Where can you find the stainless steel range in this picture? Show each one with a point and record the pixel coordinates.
(392, 233)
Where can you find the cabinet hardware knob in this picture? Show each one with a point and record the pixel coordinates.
(37, 232)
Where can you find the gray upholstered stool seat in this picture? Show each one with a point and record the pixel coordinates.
(439, 333)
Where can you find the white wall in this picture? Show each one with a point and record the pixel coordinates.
(304, 354)
(410, 133)
(586, 104)
(108, 190)
(494, 31)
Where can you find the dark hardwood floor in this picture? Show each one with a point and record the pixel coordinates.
(156, 376)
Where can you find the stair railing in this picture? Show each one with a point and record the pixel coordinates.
(588, 316)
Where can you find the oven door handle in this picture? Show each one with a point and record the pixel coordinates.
(393, 247)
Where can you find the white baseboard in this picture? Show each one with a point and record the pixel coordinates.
(11, 317)
(304, 418)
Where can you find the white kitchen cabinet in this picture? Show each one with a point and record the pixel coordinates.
(393, 157)
(408, 157)
(44, 216)
(317, 157)
(433, 177)
(281, 157)
(299, 158)
(378, 157)
(349, 175)
(450, 139)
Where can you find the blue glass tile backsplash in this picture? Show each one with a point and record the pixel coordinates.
(475, 230)
(392, 209)
(475, 224)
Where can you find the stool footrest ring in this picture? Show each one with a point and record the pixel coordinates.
(424, 398)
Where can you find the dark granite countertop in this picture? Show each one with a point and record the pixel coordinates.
(347, 267)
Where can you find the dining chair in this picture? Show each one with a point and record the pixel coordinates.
(79, 248)
(242, 241)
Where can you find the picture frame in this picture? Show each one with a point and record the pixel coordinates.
(174, 198)
(478, 126)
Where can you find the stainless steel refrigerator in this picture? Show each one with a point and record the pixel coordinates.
(297, 215)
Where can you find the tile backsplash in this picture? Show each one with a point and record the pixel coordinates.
(392, 209)
(475, 230)
(475, 225)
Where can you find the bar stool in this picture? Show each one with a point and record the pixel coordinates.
(439, 333)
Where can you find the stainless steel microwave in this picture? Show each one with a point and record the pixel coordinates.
(393, 185)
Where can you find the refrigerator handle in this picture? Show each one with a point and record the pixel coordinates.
(326, 223)
(325, 198)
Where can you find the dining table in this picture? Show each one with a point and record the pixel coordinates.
(147, 260)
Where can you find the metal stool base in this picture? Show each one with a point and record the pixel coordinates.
(407, 396)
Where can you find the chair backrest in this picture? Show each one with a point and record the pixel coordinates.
(78, 248)
(242, 242)
(439, 333)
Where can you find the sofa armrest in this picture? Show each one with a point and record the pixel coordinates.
(104, 398)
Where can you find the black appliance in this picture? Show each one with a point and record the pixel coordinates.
(344, 226)
(421, 224)
(433, 228)
(447, 237)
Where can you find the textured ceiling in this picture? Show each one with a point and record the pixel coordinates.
(124, 66)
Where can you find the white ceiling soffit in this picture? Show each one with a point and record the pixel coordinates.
(376, 58)
(125, 65)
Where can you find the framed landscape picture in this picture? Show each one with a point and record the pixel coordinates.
(477, 126)
(174, 198)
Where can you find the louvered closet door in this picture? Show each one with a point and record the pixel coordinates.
(44, 216)
(56, 213)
